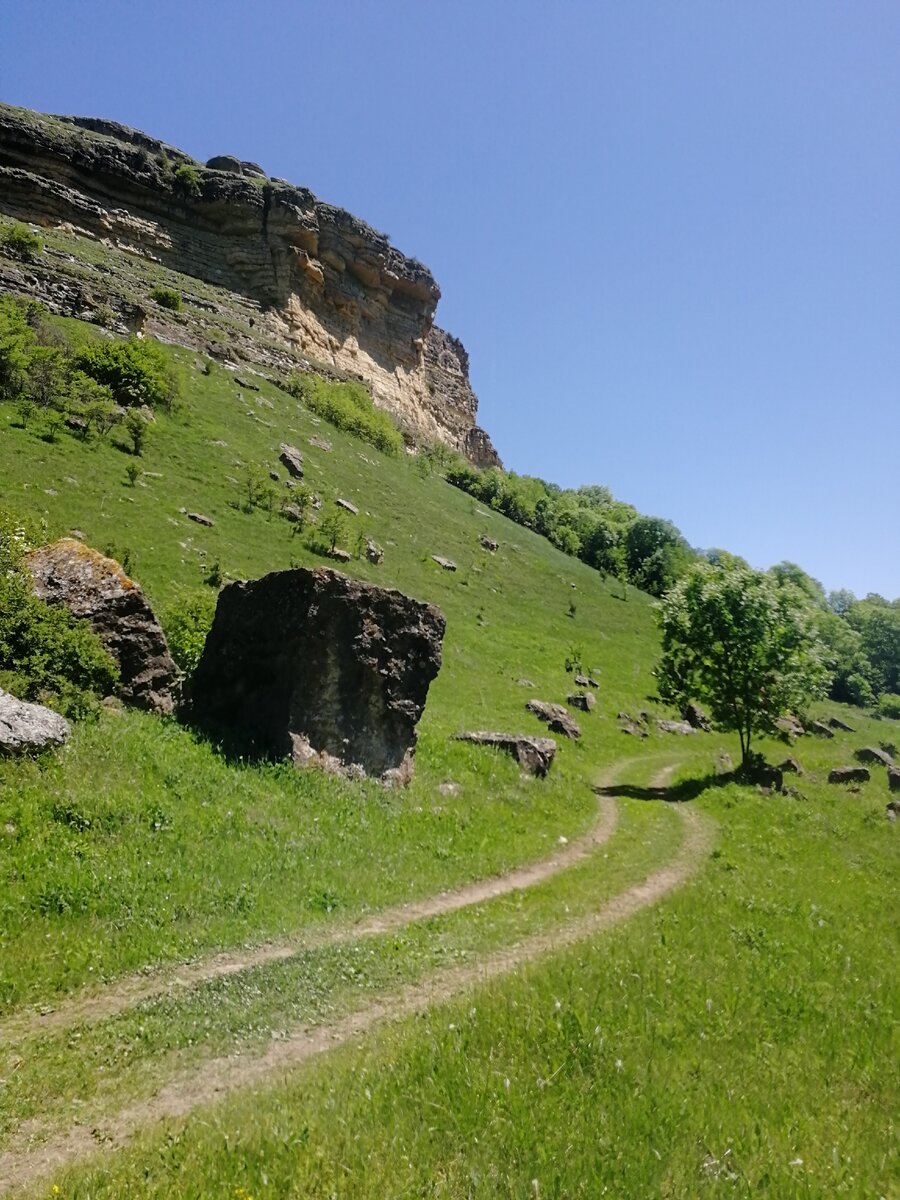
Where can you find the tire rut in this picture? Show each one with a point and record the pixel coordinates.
(225, 1075)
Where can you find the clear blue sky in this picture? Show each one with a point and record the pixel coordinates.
(668, 233)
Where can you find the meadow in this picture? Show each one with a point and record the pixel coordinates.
(192, 971)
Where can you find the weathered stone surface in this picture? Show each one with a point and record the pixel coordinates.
(374, 552)
(894, 779)
(292, 460)
(320, 443)
(347, 506)
(583, 700)
(446, 564)
(790, 765)
(29, 728)
(324, 285)
(682, 727)
(837, 723)
(97, 589)
(633, 726)
(697, 718)
(871, 754)
(849, 775)
(820, 730)
(555, 716)
(339, 555)
(489, 544)
(892, 810)
(200, 519)
(533, 754)
(292, 513)
(791, 726)
(586, 681)
(313, 665)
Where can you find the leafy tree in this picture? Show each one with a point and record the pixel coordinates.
(745, 647)
(878, 623)
(136, 427)
(17, 241)
(187, 624)
(656, 554)
(17, 340)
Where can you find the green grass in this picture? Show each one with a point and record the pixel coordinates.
(751, 1012)
(738, 1039)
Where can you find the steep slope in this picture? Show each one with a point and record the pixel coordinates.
(307, 283)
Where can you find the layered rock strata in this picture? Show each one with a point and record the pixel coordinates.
(326, 288)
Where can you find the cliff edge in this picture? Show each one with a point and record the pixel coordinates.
(300, 282)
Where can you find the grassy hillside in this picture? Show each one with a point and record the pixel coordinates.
(701, 1001)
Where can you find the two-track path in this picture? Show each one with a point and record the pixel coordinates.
(220, 1076)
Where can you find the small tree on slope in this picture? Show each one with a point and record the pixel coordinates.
(745, 647)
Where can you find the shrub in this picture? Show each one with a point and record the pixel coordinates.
(17, 339)
(347, 406)
(17, 241)
(187, 181)
(187, 624)
(136, 427)
(889, 705)
(135, 371)
(167, 298)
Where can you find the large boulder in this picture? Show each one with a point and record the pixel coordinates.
(894, 779)
(697, 718)
(320, 668)
(96, 588)
(29, 728)
(849, 775)
(533, 754)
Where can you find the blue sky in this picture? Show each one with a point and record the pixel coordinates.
(668, 234)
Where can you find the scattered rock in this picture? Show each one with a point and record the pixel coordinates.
(892, 809)
(291, 459)
(819, 729)
(849, 775)
(291, 512)
(525, 683)
(766, 777)
(29, 728)
(837, 723)
(586, 681)
(201, 519)
(681, 727)
(347, 506)
(488, 543)
(245, 383)
(320, 443)
(339, 555)
(894, 779)
(790, 726)
(316, 666)
(97, 589)
(449, 788)
(374, 553)
(558, 719)
(533, 754)
(790, 765)
(274, 476)
(871, 754)
(633, 726)
(583, 700)
(77, 533)
(446, 563)
(697, 718)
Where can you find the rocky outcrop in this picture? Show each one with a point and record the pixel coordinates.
(317, 667)
(325, 286)
(96, 589)
(533, 754)
(29, 728)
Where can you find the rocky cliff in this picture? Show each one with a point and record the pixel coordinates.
(293, 281)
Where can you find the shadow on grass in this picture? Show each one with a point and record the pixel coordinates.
(679, 793)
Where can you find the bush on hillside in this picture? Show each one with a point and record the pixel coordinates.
(45, 653)
(187, 181)
(889, 705)
(347, 406)
(167, 298)
(187, 624)
(136, 372)
(17, 241)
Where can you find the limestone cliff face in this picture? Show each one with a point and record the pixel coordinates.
(326, 288)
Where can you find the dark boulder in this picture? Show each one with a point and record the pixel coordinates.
(820, 730)
(555, 716)
(97, 589)
(790, 765)
(321, 668)
(871, 754)
(583, 700)
(291, 459)
(894, 779)
(697, 718)
(533, 754)
(849, 775)
(837, 723)
(29, 728)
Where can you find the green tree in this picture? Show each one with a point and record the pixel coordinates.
(740, 644)
(136, 371)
